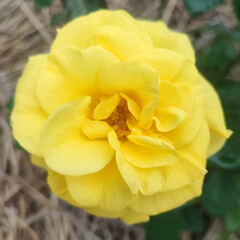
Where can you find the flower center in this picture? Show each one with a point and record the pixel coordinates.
(118, 119)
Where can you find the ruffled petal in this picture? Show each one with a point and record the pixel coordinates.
(159, 154)
(162, 37)
(169, 94)
(105, 189)
(133, 107)
(132, 217)
(95, 129)
(215, 118)
(28, 117)
(58, 185)
(103, 213)
(120, 42)
(81, 32)
(106, 106)
(167, 63)
(66, 149)
(190, 126)
(169, 118)
(71, 73)
(164, 201)
(138, 81)
(188, 73)
(147, 180)
(39, 161)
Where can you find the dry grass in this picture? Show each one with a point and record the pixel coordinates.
(27, 208)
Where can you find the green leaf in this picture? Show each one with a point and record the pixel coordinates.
(229, 157)
(196, 7)
(214, 62)
(219, 193)
(76, 8)
(10, 106)
(233, 220)
(166, 226)
(236, 7)
(43, 3)
(193, 218)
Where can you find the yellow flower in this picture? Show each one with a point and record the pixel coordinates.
(119, 116)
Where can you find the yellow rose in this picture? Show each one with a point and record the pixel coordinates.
(119, 116)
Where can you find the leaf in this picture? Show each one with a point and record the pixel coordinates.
(166, 226)
(193, 218)
(169, 225)
(219, 193)
(233, 220)
(75, 8)
(229, 157)
(236, 7)
(43, 3)
(10, 106)
(196, 7)
(214, 62)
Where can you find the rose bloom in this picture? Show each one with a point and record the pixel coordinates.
(119, 116)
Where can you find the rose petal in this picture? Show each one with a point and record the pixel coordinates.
(215, 118)
(95, 129)
(164, 201)
(167, 63)
(28, 117)
(162, 37)
(139, 81)
(105, 189)
(81, 32)
(120, 42)
(132, 217)
(168, 118)
(105, 108)
(71, 73)
(66, 149)
(148, 156)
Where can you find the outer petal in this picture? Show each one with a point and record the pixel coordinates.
(105, 189)
(121, 43)
(214, 116)
(71, 73)
(132, 217)
(103, 213)
(81, 32)
(169, 94)
(164, 201)
(190, 165)
(57, 183)
(148, 181)
(138, 81)
(188, 73)
(28, 117)
(165, 38)
(39, 161)
(66, 149)
(189, 128)
(147, 157)
(167, 63)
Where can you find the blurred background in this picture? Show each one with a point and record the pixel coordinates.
(28, 211)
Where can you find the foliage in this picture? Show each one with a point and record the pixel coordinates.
(201, 6)
(75, 8)
(43, 3)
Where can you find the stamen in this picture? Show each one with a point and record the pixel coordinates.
(118, 119)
